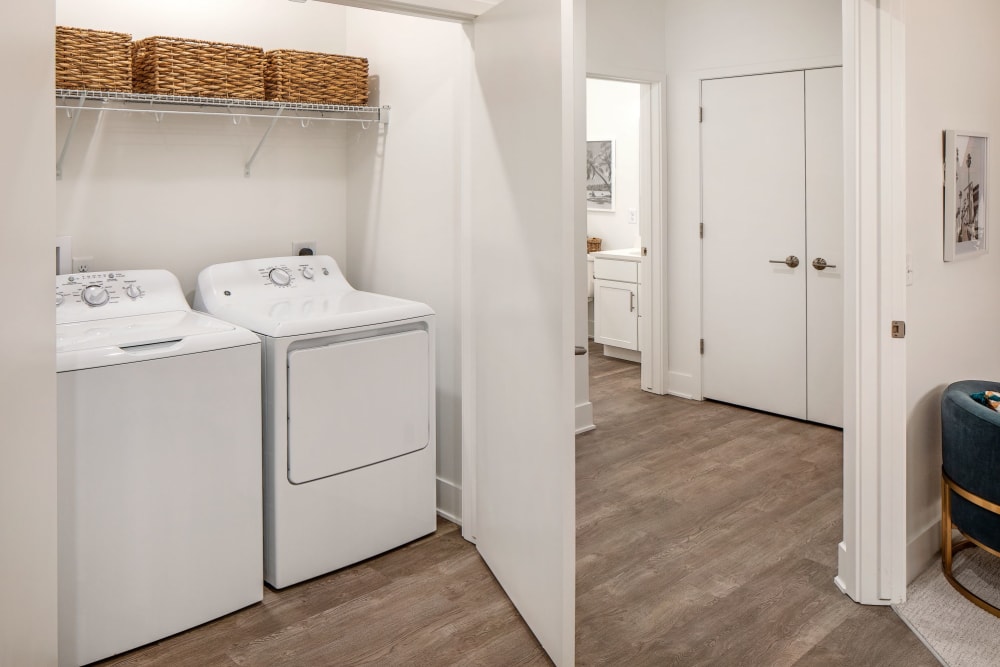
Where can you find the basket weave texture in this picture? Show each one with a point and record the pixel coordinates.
(315, 78)
(93, 60)
(175, 66)
(593, 243)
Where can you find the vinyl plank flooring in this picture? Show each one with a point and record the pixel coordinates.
(706, 535)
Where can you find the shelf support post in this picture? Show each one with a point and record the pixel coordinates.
(69, 135)
(249, 164)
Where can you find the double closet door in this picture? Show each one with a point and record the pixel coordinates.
(772, 251)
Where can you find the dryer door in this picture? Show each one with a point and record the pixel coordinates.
(355, 403)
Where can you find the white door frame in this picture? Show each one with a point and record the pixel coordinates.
(872, 556)
(653, 271)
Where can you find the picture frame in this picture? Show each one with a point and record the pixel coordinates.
(601, 175)
(966, 197)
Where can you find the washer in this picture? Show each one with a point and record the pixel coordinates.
(159, 465)
(349, 434)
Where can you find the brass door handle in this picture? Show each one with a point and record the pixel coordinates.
(819, 264)
(791, 261)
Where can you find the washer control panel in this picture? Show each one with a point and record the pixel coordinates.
(87, 296)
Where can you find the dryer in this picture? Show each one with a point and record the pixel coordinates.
(349, 411)
(159, 469)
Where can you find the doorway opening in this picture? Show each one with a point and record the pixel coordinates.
(626, 307)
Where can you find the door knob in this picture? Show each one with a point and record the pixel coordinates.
(791, 261)
(819, 264)
(579, 350)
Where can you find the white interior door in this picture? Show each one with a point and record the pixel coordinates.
(526, 206)
(753, 180)
(825, 240)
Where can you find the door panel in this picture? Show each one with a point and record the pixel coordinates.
(526, 200)
(825, 239)
(753, 179)
(355, 403)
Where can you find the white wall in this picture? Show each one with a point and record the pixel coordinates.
(613, 113)
(705, 39)
(625, 36)
(137, 193)
(27, 339)
(951, 83)
(405, 195)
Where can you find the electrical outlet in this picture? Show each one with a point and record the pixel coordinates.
(303, 247)
(83, 264)
(633, 216)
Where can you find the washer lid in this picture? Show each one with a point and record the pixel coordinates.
(291, 296)
(123, 340)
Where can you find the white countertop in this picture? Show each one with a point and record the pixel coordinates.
(626, 254)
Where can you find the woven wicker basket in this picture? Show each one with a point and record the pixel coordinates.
(174, 66)
(593, 243)
(93, 60)
(315, 78)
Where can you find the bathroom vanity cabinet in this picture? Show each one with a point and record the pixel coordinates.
(616, 302)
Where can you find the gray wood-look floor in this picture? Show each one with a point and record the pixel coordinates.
(706, 535)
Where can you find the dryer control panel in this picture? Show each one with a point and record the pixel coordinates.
(273, 278)
(95, 296)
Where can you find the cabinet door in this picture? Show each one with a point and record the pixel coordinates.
(616, 314)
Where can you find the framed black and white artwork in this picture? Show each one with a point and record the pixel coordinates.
(601, 175)
(966, 200)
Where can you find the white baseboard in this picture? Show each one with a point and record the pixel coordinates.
(683, 385)
(449, 501)
(585, 417)
(922, 550)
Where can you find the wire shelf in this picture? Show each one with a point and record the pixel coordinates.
(73, 101)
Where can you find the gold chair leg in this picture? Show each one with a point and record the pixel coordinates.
(949, 548)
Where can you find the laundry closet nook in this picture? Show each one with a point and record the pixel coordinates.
(429, 200)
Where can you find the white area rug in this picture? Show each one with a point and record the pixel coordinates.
(959, 633)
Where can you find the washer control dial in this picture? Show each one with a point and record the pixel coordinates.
(280, 277)
(133, 291)
(308, 273)
(95, 295)
(59, 299)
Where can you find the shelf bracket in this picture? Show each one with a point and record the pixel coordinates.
(69, 136)
(249, 164)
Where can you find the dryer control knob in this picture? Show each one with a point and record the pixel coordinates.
(59, 299)
(133, 291)
(308, 273)
(95, 295)
(279, 277)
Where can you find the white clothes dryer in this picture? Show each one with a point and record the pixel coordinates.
(349, 433)
(159, 467)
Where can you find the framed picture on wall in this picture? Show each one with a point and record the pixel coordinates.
(966, 201)
(601, 175)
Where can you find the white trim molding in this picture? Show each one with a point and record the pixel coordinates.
(872, 556)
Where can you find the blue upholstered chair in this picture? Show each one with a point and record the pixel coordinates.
(970, 479)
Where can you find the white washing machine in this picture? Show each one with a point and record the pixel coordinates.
(159, 463)
(349, 434)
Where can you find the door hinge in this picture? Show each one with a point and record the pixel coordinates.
(701, 114)
(701, 346)
(701, 230)
(898, 329)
